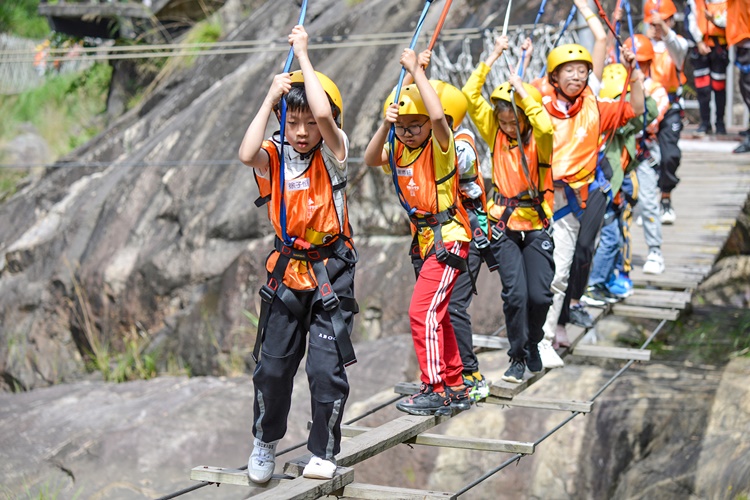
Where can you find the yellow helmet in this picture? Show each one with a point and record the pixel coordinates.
(502, 93)
(453, 101)
(568, 53)
(331, 89)
(409, 102)
(613, 80)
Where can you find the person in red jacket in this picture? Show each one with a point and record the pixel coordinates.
(738, 35)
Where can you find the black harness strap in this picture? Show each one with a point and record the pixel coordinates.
(498, 228)
(478, 237)
(275, 288)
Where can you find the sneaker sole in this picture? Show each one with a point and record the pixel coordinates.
(418, 412)
(513, 380)
(593, 302)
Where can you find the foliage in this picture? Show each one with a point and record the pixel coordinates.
(206, 31)
(20, 18)
(9, 179)
(63, 109)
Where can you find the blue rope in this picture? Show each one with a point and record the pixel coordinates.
(523, 54)
(282, 175)
(628, 13)
(569, 20)
(392, 132)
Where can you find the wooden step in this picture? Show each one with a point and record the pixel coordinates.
(664, 299)
(543, 404)
(376, 492)
(480, 444)
(601, 351)
(490, 342)
(645, 312)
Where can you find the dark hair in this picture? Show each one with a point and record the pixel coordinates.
(502, 105)
(296, 100)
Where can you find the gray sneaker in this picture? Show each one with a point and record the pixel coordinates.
(515, 373)
(262, 461)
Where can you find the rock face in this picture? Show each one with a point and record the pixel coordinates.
(656, 433)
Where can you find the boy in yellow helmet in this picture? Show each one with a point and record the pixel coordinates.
(425, 163)
(310, 285)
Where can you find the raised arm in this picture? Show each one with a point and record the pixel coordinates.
(599, 51)
(375, 154)
(440, 129)
(250, 152)
(317, 98)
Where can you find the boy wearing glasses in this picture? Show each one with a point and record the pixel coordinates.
(427, 182)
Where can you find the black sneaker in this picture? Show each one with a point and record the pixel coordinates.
(515, 372)
(703, 129)
(580, 316)
(745, 133)
(460, 399)
(534, 361)
(425, 402)
(598, 295)
(721, 129)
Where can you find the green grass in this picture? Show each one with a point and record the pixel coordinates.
(206, 31)
(20, 18)
(65, 110)
(9, 179)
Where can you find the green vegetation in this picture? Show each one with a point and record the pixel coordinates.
(63, 109)
(20, 18)
(9, 179)
(708, 336)
(207, 31)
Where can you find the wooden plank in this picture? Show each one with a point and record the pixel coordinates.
(302, 488)
(543, 404)
(601, 351)
(667, 299)
(221, 475)
(645, 312)
(490, 342)
(480, 444)
(507, 390)
(376, 492)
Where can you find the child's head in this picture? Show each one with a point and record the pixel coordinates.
(453, 101)
(506, 119)
(413, 126)
(301, 130)
(643, 50)
(613, 81)
(568, 68)
(665, 9)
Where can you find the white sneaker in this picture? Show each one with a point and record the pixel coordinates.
(639, 220)
(318, 468)
(262, 461)
(654, 263)
(550, 359)
(667, 214)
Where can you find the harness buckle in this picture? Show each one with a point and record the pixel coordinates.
(268, 291)
(330, 299)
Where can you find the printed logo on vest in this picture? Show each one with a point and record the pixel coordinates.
(581, 134)
(412, 187)
(404, 172)
(298, 184)
(311, 207)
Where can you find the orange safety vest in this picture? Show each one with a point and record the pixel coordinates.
(428, 195)
(708, 28)
(576, 140)
(509, 180)
(310, 209)
(664, 71)
(738, 11)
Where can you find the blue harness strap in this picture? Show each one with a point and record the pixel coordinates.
(600, 182)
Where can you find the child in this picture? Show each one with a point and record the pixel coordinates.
(649, 154)
(670, 50)
(620, 155)
(521, 208)
(311, 280)
(425, 158)
(580, 120)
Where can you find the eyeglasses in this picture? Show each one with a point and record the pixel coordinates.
(570, 71)
(412, 129)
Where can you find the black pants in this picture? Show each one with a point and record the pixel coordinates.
(669, 133)
(458, 308)
(282, 350)
(527, 267)
(710, 75)
(743, 57)
(591, 223)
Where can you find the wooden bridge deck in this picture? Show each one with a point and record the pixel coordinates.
(714, 187)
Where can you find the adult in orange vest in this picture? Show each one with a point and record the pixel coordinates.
(521, 207)
(310, 289)
(670, 51)
(426, 175)
(706, 21)
(738, 35)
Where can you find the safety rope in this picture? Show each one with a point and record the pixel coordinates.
(439, 26)
(569, 20)
(536, 21)
(282, 138)
(397, 95)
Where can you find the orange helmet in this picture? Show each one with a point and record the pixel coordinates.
(643, 50)
(665, 8)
